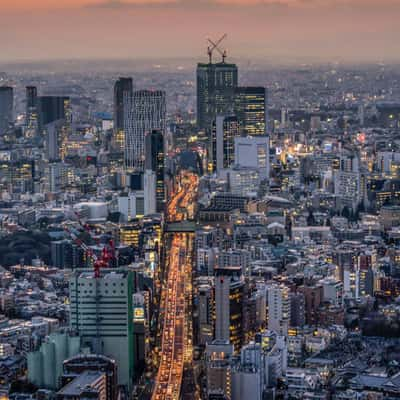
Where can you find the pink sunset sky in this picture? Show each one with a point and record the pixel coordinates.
(327, 30)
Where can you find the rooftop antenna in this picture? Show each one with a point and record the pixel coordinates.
(215, 46)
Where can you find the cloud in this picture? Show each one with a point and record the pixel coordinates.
(191, 4)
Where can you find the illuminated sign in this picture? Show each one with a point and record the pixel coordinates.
(138, 314)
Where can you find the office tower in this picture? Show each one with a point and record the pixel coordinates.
(101, 314)
(253, 152)
(224, 132)
(278, 309)
(216, 85)
(6, 108)
(123, 88)
(53, 108)
(144, 112)
(154, 161)
(32, 118)
(53, 145)
(218, 357)
(251, 110)
(149, 184)
(229, 292)
(205, 314)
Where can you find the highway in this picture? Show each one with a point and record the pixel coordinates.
(176, 295)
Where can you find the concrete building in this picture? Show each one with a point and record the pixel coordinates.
(253, 152)
(101, 314)
(45, 365)
(218, 357)
(225, 130)
(278, 309)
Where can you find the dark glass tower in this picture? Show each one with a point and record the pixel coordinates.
(123, 86)
(53, 108)
(6, 108)
(31, 97)
(32, 122)
(216, 85)
(251, 110)
(154, 161)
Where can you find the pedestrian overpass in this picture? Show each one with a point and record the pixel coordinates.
(181, 227)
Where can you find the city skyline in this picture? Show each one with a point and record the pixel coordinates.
(275, 31)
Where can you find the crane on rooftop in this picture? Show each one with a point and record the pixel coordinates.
(216, 46)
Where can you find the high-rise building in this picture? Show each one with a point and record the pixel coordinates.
(123, 88)
(218, 357)
(216, 85)
(53, 108)
(229, 292)
(32, 118)
(145, 111)
(253, 152)
(205, 314)
(6, 108)
(149, 184)
(53, 145)
(224, 132)
(155, 161)
(251, 110)
(102, 315)
(278, 309)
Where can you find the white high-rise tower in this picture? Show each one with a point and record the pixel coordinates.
(145, 112)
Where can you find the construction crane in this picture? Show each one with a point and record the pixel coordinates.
(108, 253)
(215, 46)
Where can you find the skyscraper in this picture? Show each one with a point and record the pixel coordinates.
(6, 108)
(53, 145)
(102, 315)
(251, 110)
(145, 112)
(229, 292)
(53, 108)
(224, 132)
(154, 161)
(216, 85)
(123, 88)
(32, 118)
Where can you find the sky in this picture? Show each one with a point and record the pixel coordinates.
(271, 30)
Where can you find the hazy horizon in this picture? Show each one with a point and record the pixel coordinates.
(273, 30)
